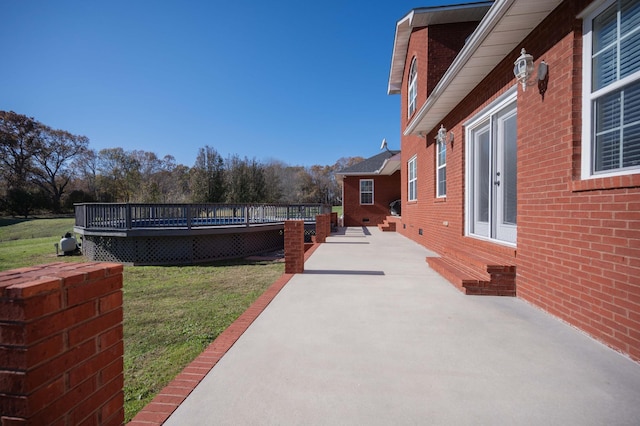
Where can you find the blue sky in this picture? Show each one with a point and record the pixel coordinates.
(300, 82)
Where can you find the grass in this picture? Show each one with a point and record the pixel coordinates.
(170, 313)
(31, 242)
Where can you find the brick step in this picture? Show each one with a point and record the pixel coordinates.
(462, 277)
(482, 261)
(387, 226)
(476, 273)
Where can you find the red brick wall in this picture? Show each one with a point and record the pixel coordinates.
(578, 250)
(429, 220)
(443, 44)
(385, 190)
(578, 241)
(61, 349)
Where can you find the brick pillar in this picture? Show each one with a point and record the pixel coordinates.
(323, 227)
(61, 350)
(334, 220)
(328, 223)
(293, 246)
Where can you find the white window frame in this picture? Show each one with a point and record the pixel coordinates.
(441, 146)
(412, 92)
(589, 97)
(366, 192)
(412, 179)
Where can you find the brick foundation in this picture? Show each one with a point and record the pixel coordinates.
(61, 350)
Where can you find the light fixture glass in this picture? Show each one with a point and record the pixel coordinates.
(441, 137)
(522, 68)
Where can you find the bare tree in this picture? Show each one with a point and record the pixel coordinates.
(20, 141)
(119, 174)
(52, 168)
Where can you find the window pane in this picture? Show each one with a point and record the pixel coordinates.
(482, 177)
(631, 132)
(630, 55)
(510, 171)
(366, 185)
(617, 142)
(607, 151)
(631, 147)
(629, 16)
(605, 31)
(442, 182)
(605, 69)
(632, 104)
(412, 190)
(413, 87)
(608, 112)
(442, 154)
(605, 60)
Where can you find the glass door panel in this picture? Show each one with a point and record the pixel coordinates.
(481, 181)
(506, 177)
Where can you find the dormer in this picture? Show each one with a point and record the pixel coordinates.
(427, 41)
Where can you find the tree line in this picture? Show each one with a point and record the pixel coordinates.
(48, 170)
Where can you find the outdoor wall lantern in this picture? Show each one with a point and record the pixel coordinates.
(442, 136)
(523, 68)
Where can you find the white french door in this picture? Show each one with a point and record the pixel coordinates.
(492, 197)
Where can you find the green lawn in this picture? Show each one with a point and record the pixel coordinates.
(31, 242)
(170, 313)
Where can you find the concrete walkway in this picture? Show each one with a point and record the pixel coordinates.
(369, 335)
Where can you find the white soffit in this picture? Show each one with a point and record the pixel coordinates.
(390, 165)
(504, 26)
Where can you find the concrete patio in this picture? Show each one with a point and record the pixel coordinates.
(368, 334)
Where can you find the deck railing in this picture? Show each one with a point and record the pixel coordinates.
(121, 216)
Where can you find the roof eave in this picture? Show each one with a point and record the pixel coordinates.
(495, 37)
(390, 166)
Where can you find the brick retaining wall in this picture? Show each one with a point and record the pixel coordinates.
(61, 349)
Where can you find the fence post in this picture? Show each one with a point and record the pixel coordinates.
(294, 246)
(127, 213)
(62, 351)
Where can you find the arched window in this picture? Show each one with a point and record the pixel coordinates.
(413, 88)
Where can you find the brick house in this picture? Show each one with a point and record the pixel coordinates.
(530, 189)
(368, 189)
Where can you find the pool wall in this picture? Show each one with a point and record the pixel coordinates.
(172, 234)
(183, 249)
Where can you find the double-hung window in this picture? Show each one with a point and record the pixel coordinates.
(413, 180)
(366, 191)
(441, 169)
(611, 89)
(413, 88)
